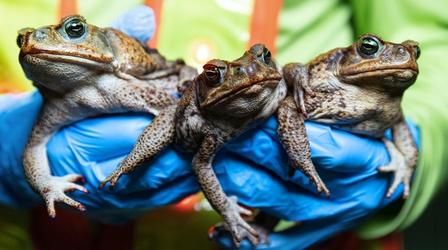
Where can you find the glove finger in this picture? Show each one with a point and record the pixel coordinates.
(93, 148)
(138, 22)
(256, 187)
(18, 113)
(98, 139)
(332, 150)
(301, 236)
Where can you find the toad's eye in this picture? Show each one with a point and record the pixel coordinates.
(212, 75)
(264, 56)
(75, 28)
(369, 46)
(417, 51)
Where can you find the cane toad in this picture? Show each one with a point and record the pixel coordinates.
(359, 89)
(82, 70)
(224, 100)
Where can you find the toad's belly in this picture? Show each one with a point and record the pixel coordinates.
(357, 112)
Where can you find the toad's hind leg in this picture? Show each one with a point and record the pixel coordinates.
(227, 207)
(404, 155)
(292, 133)
(35, 162)
(154, 138)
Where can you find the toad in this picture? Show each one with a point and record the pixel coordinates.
(81, 71)
(359, 89)
(226, 99)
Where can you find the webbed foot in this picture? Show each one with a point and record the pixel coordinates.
(320, 185)
(112, 179)
(54, 191)
(397, 165)
(236, 225)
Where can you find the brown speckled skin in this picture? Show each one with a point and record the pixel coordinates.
(224, 100)
(292, 133)
(103, 71)
(362, 94)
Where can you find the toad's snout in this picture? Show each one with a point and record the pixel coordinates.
(21, 36)
(413, 46)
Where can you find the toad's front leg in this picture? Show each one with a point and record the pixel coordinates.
(154, 138)
(227, 207)
(186, 76)
(292, 133)
(404, 156)
(35, 162)
(296, 77)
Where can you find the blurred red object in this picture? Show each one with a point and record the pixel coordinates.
(73, 231)
(187, 204)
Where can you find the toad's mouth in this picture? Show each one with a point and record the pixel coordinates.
(70, 59)
(216, 99)
(400, 74)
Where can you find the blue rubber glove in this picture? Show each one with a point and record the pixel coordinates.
(252, 167)
(346, 162)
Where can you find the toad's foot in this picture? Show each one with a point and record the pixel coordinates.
(112, 179)
(55, 188)
(236, 225)
(398, 165)
(320, 185)
(222, 228)
(313, 176)
(263, 233)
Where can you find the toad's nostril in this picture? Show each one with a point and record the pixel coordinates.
(40, 34)
(20, 40)
(417, 51)
(240, 70)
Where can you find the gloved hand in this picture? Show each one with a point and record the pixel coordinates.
(346, 162)
(252, 167)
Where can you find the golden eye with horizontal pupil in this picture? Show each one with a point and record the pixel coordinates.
(75, 28)
(212, 75)
(369, 46)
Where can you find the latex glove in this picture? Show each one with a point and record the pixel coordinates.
(253, 167)
(92, 148)
(346, 162)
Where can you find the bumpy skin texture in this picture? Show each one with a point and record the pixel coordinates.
(224, 100)
(81, 71)
(359, 89)
(292, 134)
(356, 92)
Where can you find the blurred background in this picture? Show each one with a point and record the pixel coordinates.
(196, 31)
